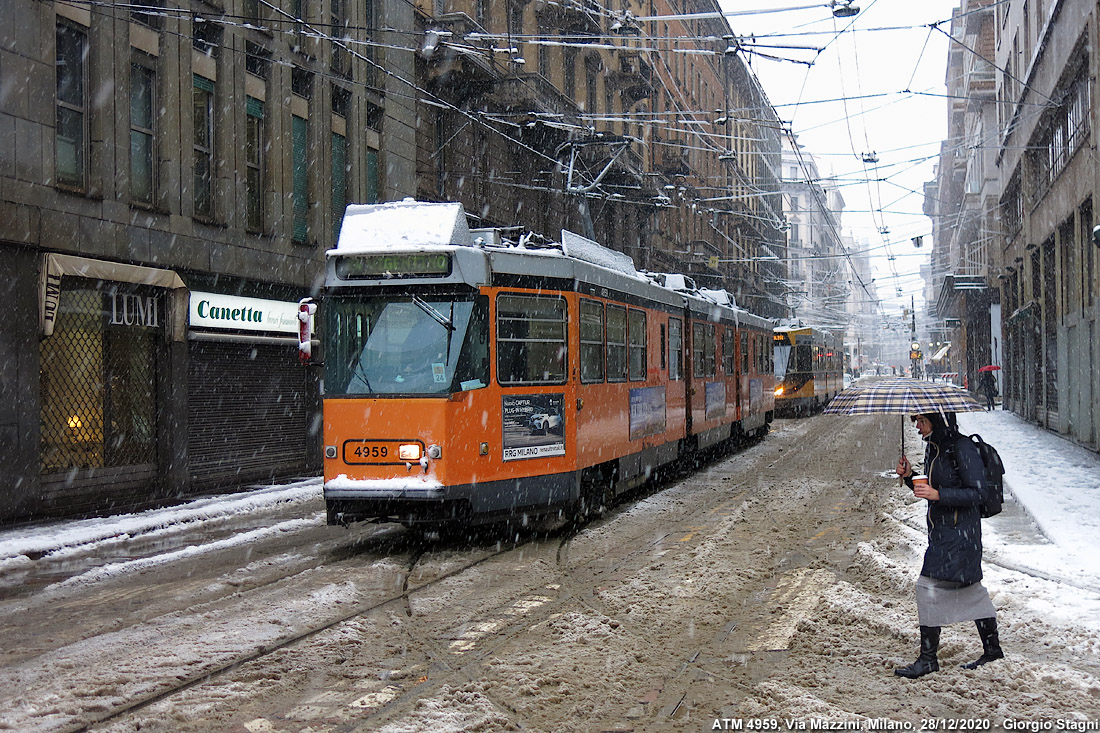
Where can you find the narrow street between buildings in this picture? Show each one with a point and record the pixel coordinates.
(770, 590)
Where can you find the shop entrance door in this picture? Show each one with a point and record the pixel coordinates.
(99, 385)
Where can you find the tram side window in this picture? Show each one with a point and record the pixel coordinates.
(675, 349)
(591, 341)
(702, 349)
(531, 346)
(802, 358)
(729, 358)
(664, 346)
(616, 344)
(638, 359)
(744, 353)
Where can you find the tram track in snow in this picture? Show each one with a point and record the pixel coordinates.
(638, 546)
(222, 668)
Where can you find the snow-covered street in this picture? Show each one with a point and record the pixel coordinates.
(772, 588)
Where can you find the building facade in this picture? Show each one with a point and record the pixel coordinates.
(639, 127)
(169, 181)
(1017, 257)
(171, 175)
(821, 281)
(963, 204)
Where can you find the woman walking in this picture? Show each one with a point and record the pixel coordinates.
(949, 589)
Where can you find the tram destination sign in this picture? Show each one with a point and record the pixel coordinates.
(387, 265)
(212, 310)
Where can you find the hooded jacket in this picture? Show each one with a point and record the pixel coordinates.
(954, 520)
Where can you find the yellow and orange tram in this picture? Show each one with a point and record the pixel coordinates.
(809, 368)
(472, 379)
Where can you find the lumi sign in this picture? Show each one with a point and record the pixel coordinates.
(130, 309)
(211, 310)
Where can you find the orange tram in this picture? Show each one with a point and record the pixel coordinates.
(470, 379)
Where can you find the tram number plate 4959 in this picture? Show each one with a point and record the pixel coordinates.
(371, 451)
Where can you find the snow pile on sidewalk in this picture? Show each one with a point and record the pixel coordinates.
(1058, 484)
(20, 546)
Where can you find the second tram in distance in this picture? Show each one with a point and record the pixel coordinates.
(809, 368)
(470, 379)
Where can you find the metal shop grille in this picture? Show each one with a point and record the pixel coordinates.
(249, 414)
(98, 387)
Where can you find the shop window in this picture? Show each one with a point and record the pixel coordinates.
(98, 380)
(70, 143)
(616, 344)
(531, 346)
(637, 346)
(592, 348)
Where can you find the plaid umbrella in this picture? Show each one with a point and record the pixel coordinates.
(903, 396)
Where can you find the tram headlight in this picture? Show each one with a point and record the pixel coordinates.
(435, 451)
(409, 452)
(779, 391)
(330, 451)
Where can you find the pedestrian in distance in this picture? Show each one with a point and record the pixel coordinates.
(987, 385)
(949, 589)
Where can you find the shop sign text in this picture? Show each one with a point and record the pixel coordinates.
(128, 309)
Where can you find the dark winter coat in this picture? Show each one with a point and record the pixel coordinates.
(954, 521)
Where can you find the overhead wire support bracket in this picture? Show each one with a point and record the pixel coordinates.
(621, 143)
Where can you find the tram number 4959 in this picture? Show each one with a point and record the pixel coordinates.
(370, 451)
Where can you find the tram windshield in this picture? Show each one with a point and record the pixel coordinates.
(782, 359)
(406, 344)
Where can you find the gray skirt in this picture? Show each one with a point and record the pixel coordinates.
(942, 602)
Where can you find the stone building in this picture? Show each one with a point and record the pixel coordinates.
(819, 275)
(1014, 207)
(640, 127)
(172, 173)
(169, 182)
(962, 203)
(1047, 70)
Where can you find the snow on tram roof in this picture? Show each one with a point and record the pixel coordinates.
(401, 224)
(424, 225)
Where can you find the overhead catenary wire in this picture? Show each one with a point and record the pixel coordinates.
(706, 138)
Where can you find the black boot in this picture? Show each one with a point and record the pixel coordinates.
(926, 662)
(991, 643)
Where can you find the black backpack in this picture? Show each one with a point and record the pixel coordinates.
(994, 475)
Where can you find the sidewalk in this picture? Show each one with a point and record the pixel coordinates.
(1058, 484)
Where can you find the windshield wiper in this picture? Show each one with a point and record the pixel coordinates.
(435, 315)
